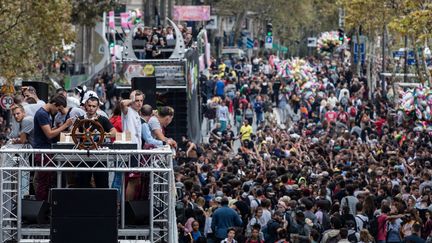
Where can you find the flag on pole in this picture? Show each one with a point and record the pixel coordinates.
(111, 21)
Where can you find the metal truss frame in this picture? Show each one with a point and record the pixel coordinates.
(158, 163)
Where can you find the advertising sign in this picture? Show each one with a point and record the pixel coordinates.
(191, 13)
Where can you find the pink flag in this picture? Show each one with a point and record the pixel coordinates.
(111, 21)
(191, 13)
(124, 20)
(201, 63)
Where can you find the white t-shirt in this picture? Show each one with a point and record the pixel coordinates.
(31, 109)
(132, 123)
(154, 124)
(222, 113)
(74, 113)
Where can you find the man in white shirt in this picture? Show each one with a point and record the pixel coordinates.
(29, 93)
(130, 116)
(131, 121)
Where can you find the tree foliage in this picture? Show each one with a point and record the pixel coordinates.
(34, 31)
(86, 12)
(293, 21)
(410, 18)
(31, 32)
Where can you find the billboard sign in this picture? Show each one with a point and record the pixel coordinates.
(191, 13)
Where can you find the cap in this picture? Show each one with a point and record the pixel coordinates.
(219, 194)
(88, 95)
(218, 199)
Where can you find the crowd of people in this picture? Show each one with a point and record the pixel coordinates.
(155, 43)
(337, 168)
(277, 167)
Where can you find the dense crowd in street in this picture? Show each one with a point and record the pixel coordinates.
(336, 168)
(278, 165)
(154, 43)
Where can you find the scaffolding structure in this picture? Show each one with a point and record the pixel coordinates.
(17, 163)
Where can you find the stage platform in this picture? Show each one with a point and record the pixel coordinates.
(16, 163)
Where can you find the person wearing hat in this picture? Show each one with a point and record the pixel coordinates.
(88, 94)
(100, 178)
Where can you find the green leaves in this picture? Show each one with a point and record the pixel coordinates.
(32, 31)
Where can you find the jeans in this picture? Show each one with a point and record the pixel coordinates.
(260, 117)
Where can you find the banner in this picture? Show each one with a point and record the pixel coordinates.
(201, 63)
(191, 13)
(111, 21)
(124, 20)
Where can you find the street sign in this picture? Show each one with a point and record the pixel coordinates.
(249, 43)
(359, 49)
(6, 101)
(269, 42)
(362, 52)
(312, 42)
(399, 54)
(411, 62)
(363, 58)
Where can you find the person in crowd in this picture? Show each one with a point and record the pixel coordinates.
(222, 116)
(415, 237)
(230, 236)
(100, 178)
(72, 101)
(24, 126)
(246, 131)
(159, 122)
(44, 134)
(150, 141)
(32, 101)
(68, 112)
(223, 219)
(131, 121)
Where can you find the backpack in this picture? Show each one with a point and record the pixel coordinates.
(334, 239)
(258, 202)
(352, 237)
(373, 227)
(344, 101)
(353, 111)
(326, 225)
(366, 224)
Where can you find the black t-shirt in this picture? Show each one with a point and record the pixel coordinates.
(105, 123)
(264, 88)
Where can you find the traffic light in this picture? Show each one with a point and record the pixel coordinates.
(341, 36)
(111, 45)
(269, 29)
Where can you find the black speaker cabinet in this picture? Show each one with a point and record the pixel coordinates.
(137, 212)
(84, 215)
(148, 86)
(35, 212)
(40, 87)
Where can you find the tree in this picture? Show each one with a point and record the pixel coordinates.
(88, 12)
(31, 32)
(415, 21)
(412, 18)
(293, 21)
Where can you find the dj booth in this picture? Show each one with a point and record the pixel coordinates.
(82, 215)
